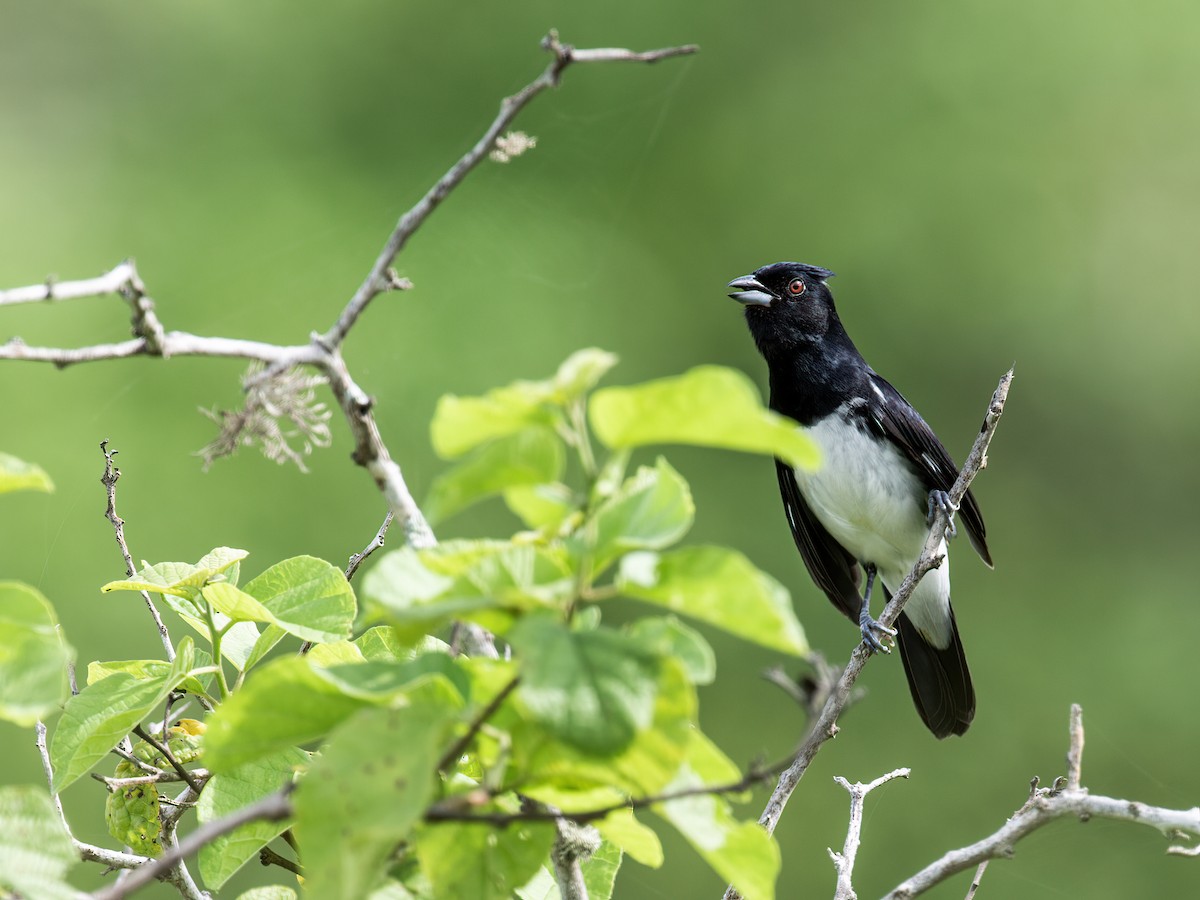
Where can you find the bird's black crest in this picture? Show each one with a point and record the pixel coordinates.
(796, 268)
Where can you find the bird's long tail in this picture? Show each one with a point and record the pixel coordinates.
(938, 678)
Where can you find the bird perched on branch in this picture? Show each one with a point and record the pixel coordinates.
(867, 508)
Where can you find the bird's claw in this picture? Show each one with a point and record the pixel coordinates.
(875, 633)
(940, 500)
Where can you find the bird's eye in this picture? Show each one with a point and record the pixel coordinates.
(796, 288)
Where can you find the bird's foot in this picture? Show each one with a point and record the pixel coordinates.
(875, 633)
(941, 500)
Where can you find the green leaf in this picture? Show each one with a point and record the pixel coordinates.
(466, 861)
(98, 717)
(33, 655)
(36, 852)
(718, 586)
(286, 703)
(307, 597)
(651, 510)
(620, 827)
(270, 892)
(593, 689)
(364, 795)
(742, 853)
(541, 505)
(529, 457)
(581, 371)
(235, 603)
(380, 642)
(463, 423)
(646, 766)
(18, 475)
(180, 579)
(230, 791)
(673, 638)
(709, 406)
(263, 644)
(147, 668)
(467, 579)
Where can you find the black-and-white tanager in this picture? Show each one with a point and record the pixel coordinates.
(867, 507)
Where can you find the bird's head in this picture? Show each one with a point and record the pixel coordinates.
(787, 303)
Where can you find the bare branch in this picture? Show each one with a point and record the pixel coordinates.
(357, 559)
(166, 754)
(1075, 751)
(825, 726)
(377, 280)
(1044, 806)
(271, 808)
(52, 291)
(109, 480)
(844, 861)
(452, 756)
(976, 880)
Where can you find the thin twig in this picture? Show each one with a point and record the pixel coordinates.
(377, 280)
(271, 808)
(1075, 750)
(269, 857)
(357, 559)
(52, 290)
(166, 754)
(844, 862)
(452, 756)
(1044, 806)
(976, 880)
(826, 726)
(109, 480)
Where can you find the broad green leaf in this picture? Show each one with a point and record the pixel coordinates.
(463, 423)
(619, 827)
(675, 639)
(529, 457)
(308, 597)
(240, 638)
(742, 853)
(718, 586)
(235, 603)
(581, 371)
(18, 475)
(541, 505)
(379, 681)
(180, 579)
(35, 852)
(334, 654)
(482, 863)
(379, 643)
(472, 580)
(365, 793)
(651, 510)
(593, 689)
(148, 668)
(95, 719)
(284, 704)
(709, 406)
(263, 644)
(230, 791)
(270, 892)
(33, 655)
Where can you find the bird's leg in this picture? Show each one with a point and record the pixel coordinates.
(873, 631)
(941, 500)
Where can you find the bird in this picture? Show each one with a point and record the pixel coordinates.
(867, 508)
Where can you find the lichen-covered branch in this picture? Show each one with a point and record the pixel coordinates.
(1066, 798)
(844, 862)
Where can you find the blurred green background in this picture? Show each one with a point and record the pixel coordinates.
(992, 182)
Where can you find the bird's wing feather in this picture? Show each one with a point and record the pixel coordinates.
(905, 428)
(834, 570)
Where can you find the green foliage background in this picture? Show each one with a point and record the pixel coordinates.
(993, 182)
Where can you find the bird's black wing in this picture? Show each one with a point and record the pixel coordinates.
(834, 570)
(904, 427)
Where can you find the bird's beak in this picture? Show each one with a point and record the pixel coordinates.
(750, 291)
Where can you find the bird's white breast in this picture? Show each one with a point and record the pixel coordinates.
(871, 501)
